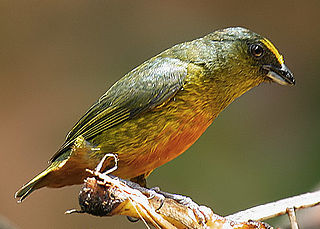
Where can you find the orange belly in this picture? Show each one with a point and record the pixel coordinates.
(142, 143)
(168, 144)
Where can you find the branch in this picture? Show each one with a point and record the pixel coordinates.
(280, 207)
(107, 195)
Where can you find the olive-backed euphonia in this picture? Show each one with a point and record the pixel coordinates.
(160, 108)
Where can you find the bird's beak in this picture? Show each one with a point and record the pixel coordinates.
(281, 75)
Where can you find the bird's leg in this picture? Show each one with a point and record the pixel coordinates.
(184, 200)
(141, 180)
(139, 183)
(199, 211)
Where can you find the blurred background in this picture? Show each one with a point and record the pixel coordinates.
(58, 57)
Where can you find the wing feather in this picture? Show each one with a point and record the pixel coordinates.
(142, 89)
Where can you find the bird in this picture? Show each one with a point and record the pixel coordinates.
(159, 109)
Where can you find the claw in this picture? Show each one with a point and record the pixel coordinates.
(132, 219)
(201, 213)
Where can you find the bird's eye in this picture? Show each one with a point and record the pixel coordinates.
(257, 51)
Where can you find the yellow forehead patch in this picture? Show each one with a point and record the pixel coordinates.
(273, 49)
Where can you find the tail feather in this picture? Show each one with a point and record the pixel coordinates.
(32, 185)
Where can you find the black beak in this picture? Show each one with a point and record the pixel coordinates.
(281, 75)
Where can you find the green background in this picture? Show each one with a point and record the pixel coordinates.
(58, 57)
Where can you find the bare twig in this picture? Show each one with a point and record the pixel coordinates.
(292, 218)
(271, 210)
(107, 195)
(104, 195)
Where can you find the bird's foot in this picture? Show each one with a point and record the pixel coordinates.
(201, 213)
(150, 193)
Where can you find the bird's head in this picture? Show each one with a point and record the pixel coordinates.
(249, 56)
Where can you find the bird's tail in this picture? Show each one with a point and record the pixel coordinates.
(36, 183)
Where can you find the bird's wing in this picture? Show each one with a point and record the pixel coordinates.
(145, 87)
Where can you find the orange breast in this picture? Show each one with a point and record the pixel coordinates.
(145, 142)
(172, 141)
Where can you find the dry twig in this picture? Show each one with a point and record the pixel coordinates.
(271, 210)
(106, 195)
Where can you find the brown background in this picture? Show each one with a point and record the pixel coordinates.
(58, 57)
